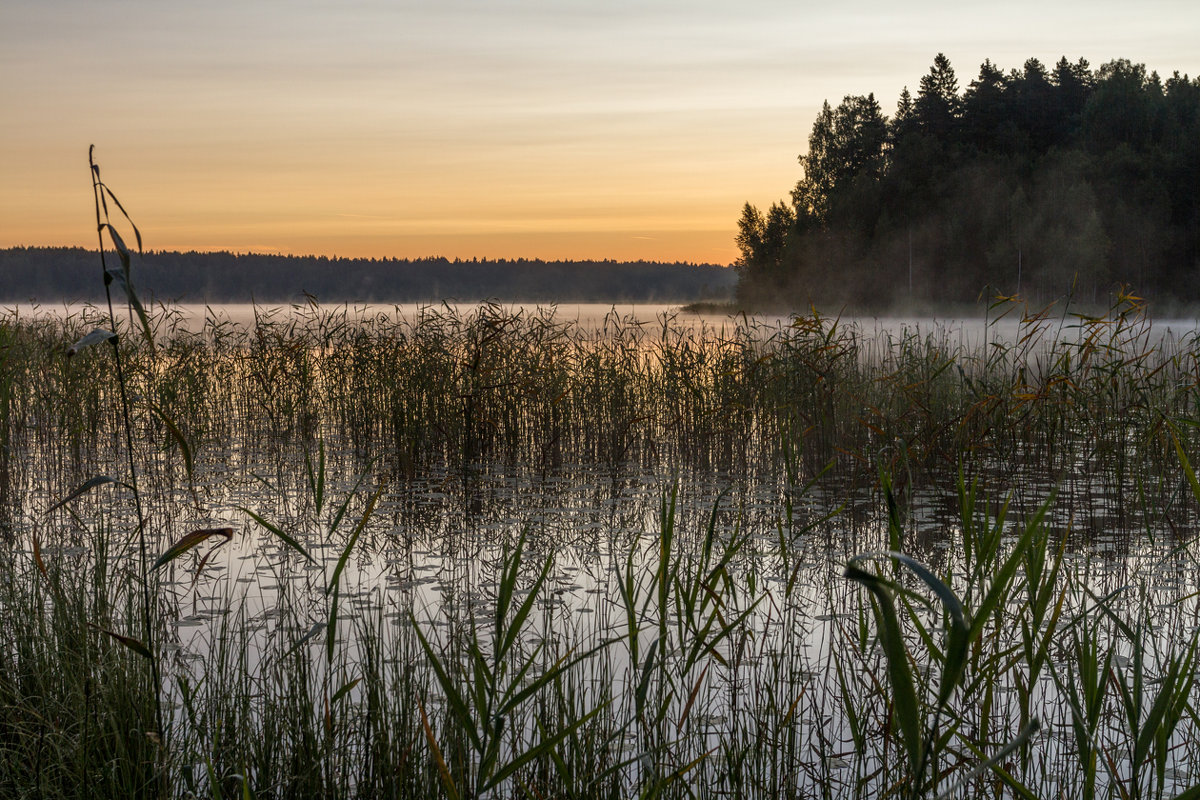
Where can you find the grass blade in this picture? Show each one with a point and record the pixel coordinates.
(193, 539)
(358, 529)
(130, 642)
(906, 711)
(288, 540)
(87, 486)
(177, 435)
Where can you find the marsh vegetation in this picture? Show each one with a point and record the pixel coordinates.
(485, 552)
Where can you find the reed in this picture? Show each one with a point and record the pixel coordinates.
(1079, 401)
(702, 674)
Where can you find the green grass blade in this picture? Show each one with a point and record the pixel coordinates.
(906, 708)
(136, 233)
(1003, 578)
(544, 746)
(180, 440)
(1184, 462)
(454, 699)
(288, 540)
(130, 642)
(345, 506)
(331, 626)
(1191, 793)
(995, 765)
(1149, 726)
(565, 662)
(523, 611)
(358, 529)
(344, 690)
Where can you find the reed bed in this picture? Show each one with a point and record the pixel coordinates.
(1064, 396)
(487, 553)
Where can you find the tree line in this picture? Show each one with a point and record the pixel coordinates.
(1036, 182)
(52, 274)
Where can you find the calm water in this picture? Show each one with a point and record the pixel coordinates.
(968, 332)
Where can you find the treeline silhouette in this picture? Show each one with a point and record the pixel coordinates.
(50, 274)
(1034, 182)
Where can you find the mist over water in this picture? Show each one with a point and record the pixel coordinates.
(967, 330)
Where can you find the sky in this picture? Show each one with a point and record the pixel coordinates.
(574, 129)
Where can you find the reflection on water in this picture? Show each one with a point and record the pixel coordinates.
(967, 331)
(193, 317)
(433, 550)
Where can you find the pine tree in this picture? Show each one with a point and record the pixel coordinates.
(985, 109)
(938, 103)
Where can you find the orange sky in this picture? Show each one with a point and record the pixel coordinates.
(626, 130)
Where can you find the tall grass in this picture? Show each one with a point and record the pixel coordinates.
(711, 664)
(1079, 400)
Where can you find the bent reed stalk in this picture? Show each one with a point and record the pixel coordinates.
(102, 195)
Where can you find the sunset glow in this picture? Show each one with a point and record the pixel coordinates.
(621, 130)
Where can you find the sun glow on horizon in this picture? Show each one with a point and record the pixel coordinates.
(628, 131)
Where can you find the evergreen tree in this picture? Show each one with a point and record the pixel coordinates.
(751, 228)
(844, 144)
(1036, 181)
(1073, 85)
(938, 102)
(1034, 101)
(904, 122)
(987, 122)
(811, 195)
(1119, 110)
(763, 266)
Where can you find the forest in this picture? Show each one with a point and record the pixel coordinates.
(1038, 183)
(50, 274)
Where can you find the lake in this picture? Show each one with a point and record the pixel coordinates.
(602, 550)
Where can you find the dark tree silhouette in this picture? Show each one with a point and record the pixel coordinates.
(52, 274)
(938, 102)
(1036, 181)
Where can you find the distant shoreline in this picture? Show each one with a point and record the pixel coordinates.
(58, 274)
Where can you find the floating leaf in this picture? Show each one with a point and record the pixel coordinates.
(191, 540)
(95, 337)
